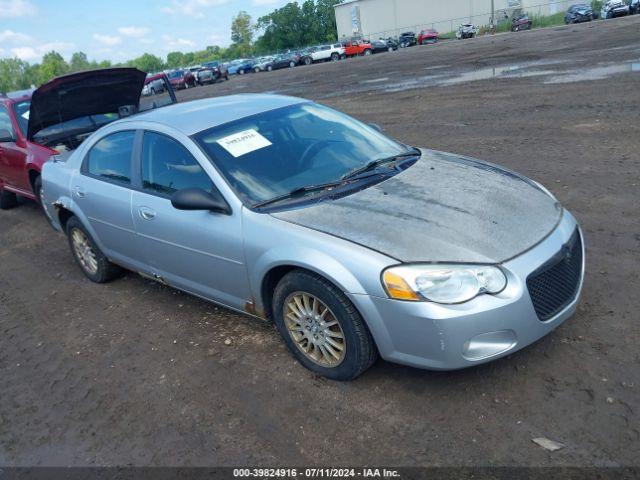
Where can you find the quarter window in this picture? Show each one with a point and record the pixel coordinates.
(167, 166)
(110, 158)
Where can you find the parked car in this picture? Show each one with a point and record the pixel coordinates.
(240, 67)
(33, 127)
(634, 7)
(323, 53)
(521, 22)
(388, 45)
(466, 31)
(181, 79)
(154, 84)
(263, 203)
(211, 72)
(261, 64)
(579, 13)
(357, 47)
(407, 39)
(287, 60)
(614, 9)
(428, 36)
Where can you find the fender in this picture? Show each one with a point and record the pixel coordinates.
(302, 257)
(67, 203)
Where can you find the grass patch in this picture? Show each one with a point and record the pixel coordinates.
(555, 20)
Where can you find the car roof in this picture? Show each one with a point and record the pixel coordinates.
(198, 115)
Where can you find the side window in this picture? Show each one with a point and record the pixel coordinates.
(5, 120)
(110, 158)
(167, 166)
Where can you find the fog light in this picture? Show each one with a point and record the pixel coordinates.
(489, 344)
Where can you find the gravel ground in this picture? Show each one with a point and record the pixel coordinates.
(135, 373)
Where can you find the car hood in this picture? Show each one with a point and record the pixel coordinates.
(445, 208)
(82, 94)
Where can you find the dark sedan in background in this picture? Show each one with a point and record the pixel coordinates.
(283, 61)
(388, 45)
(579, 13)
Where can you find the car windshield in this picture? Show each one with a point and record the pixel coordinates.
(276, 152)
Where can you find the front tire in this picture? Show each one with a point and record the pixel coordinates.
(321, 327)
(7, 200)
(93, 263)
(367, 52)
(269, 68)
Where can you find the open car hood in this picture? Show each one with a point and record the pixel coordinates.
(83, 94)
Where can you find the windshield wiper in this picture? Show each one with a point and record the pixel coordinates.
(377, 163)
(297, 192)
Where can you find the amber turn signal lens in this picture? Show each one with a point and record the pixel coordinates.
(397, 287)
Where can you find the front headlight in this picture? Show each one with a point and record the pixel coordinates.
(442, 283)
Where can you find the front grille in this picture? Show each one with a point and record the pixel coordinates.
(555, 284)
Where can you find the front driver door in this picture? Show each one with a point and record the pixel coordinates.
(197, 251)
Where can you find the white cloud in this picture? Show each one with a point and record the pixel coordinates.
(191, 8)
(266, 3)
(107, 39)
(136, 32)
(10, 36)
(25, 53)
(172, 43)
(32, 50)
(16, 8)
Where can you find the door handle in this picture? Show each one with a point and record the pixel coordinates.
(79, 192)
(146, 213)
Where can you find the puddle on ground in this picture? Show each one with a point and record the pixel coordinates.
(594, 73)
(375, 80)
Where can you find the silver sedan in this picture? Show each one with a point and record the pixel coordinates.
(354, 244)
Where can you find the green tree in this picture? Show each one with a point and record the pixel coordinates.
(148, 63)
(15, 74)
(241, 34)
(79, 62)
(175, 59)
(53, 65)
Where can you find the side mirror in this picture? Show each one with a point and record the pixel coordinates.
(198, 199)
(377, 127)
(6, 136)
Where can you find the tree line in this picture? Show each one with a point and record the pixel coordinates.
(292, 26)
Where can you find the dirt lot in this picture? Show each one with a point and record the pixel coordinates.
(137, 373)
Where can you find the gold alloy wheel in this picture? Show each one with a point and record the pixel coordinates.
(84, 252)
(314, 329)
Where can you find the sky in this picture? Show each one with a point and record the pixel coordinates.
(118, 30)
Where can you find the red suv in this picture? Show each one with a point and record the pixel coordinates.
(352, 49)
(21, 160)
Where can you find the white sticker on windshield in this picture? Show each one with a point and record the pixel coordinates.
(25, 115)
(244, 142)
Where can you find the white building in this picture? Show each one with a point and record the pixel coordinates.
(383, 18)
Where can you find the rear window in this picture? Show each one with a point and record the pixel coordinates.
(110, 158)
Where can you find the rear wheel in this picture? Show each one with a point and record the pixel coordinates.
(321, 327)
(7, 200)
(292, 64)
(88, 256)
(241, 72)
(335, 57)
(269, 68)
(367, 52)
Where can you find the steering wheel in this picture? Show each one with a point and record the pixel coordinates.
(312, 150)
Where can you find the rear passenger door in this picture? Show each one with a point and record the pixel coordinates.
(197, 251)
(102, 190)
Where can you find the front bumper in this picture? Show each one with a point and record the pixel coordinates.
(449, 337)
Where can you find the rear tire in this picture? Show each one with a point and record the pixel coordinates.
(335, 57)
(93, 263)
(7, 200)
(367, 52)
(351, 333)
